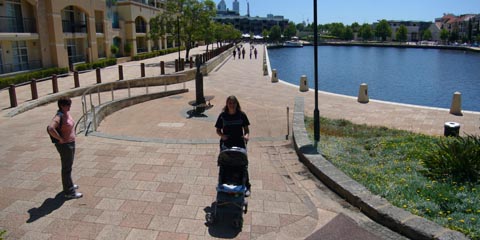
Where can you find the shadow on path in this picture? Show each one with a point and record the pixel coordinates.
(47, 207)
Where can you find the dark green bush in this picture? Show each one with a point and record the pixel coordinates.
(25, 77)
(455, 158)
(100, 64)
(153, 54)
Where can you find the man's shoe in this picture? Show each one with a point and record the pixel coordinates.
(247, 193)
(75, 186)
(74, 195)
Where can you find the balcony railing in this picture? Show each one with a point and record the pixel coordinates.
(17, 25)
(30, 65)
(74, 27)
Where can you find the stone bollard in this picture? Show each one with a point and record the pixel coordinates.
(76, 79)
(177, 65)
(99, 76)
(451, 129)
(182, 64)
(33, 87)
(54, 83)
(13, 96)
(303, 83)
(142, 70)
(162, 68)
(120, 72)
(274, 76)
(363, 93)
(456, 107)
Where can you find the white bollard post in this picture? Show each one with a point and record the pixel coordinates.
(303, 84)
(456, 107)
(274, 76)
(363, 93)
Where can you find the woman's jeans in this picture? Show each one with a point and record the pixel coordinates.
(67, 154)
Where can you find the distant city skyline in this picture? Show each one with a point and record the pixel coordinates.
(349, 11)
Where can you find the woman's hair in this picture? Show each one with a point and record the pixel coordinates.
(64, 101)
(232, 98)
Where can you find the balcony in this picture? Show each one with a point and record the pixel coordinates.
(74, 27)
(17, 25)
(30, 65)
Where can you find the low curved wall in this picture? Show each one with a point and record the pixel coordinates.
(375, 207)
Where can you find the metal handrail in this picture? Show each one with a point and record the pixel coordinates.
(88, 97)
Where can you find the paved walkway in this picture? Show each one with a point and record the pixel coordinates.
(156, 190)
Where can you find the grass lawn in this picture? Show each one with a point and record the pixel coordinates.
(390, 163)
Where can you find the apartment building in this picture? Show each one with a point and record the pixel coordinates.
(59, 33)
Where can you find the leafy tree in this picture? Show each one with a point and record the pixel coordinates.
(275, 33)
(427, 35)
(383, 30)
(191, 16)
(300, 27)
(402, 33)
(336, 29)
(444, 34)
(157, 28)
(290, 30)
(348, 34)
(265, 33)
(366, 32)
(355, 27)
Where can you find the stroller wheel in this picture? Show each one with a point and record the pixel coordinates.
(238, 223)
(209, 218)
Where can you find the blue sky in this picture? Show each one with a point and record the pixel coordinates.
(361, 11)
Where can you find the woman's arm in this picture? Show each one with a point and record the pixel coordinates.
(52, 129)
(220, 133)
(246, 134)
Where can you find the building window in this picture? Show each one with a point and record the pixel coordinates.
(20, 55)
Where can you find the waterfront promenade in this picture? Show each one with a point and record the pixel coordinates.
(156, 189)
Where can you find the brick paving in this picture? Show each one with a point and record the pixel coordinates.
(152, 189)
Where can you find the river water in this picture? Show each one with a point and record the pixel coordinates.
(427, 77)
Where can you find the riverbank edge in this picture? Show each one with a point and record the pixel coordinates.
(389, 44)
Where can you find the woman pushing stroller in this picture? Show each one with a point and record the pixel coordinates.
(232, 127)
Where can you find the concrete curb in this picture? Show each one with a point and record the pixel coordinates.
(375, 207)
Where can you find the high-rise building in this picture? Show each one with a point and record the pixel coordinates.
(222, 6)
(236, 6)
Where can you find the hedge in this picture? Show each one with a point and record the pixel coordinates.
(26, 77)
(156, 53)
(97, 64)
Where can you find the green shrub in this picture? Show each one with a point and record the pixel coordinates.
(25, 77)
(455, 158)
(2, 233)
(100, 64)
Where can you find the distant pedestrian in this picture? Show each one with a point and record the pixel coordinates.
(234, 53)
(243, 53)
(255, 52)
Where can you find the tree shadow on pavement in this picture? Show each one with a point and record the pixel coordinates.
(47, 207)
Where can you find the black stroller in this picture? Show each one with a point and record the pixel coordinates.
(231, 187)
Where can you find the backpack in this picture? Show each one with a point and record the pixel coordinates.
(54, 140)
